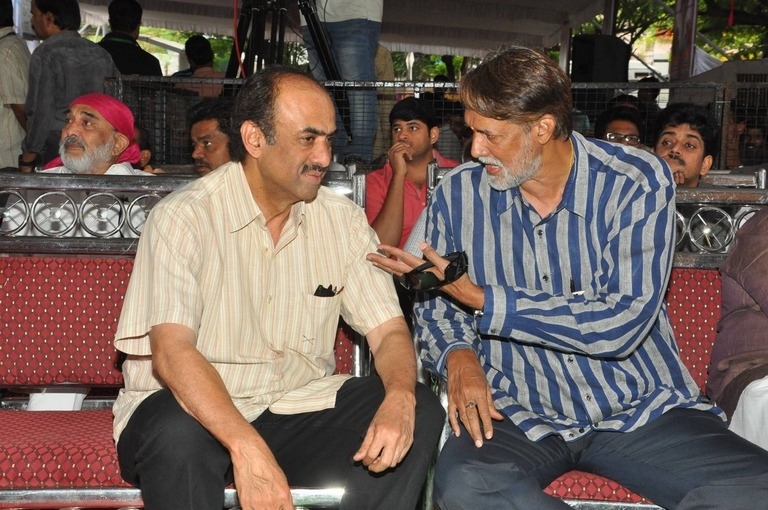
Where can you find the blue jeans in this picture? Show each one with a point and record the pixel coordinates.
(353, 45)
(686, 459)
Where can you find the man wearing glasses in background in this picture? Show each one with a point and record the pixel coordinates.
(554, 339)
(620, 124)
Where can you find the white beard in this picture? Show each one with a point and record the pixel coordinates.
(526, 167)
(92, 157)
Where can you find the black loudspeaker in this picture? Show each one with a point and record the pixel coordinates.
(599, 58)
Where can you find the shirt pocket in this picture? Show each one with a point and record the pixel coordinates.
(317, 324)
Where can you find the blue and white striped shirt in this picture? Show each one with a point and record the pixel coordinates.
(575, 334)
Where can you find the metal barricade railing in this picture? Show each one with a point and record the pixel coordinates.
(78, 214)
(707, 220)
(161, 105)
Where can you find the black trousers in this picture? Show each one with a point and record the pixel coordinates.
(684, 460)
(177, 464)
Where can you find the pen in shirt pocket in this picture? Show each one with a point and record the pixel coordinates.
(575, 292)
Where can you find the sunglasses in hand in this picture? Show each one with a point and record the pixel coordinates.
(421, 279)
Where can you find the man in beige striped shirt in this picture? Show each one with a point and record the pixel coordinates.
(229, 324)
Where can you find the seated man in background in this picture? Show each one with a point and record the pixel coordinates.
(688, 139)
(122, 43)
(754, 150)
(97, 139)
(200, 57)
(396, 194)
(620, 124)
(738, 371)
(213, 141)
(229, 324)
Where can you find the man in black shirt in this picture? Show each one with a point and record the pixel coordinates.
(124, 21)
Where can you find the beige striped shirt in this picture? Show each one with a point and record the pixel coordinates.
(207, 261)
(15, 57)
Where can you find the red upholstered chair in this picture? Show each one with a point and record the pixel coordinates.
(57, 321)
(58, 318)
(693, 303)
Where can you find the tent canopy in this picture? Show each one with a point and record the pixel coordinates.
(454, 27)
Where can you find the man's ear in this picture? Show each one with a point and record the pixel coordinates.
(146, 156)
(253, 138)
(50, 19)
(544, 128)
(434, 134)
(706, 165)
(121, 143)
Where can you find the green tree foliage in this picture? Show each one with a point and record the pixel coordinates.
(746, 38)
(426, 67)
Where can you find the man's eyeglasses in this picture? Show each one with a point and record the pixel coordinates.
(421, 279)
(621, 138)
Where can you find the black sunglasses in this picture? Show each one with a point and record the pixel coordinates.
(421, 279)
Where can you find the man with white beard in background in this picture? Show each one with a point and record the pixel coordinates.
(97, 139)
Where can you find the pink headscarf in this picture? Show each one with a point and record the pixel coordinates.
(116, 113)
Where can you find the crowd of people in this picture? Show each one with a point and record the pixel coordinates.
(532, 278)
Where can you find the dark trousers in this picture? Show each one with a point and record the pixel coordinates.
(686, 459)
(179, 465)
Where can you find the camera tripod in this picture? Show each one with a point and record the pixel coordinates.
(260, 52)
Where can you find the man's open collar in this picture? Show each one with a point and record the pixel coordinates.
(243, 209)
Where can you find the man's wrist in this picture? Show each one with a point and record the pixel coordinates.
(26, 164)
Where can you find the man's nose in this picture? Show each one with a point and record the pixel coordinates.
(197, 152)
(68, 129)
(477, 148)
(321, 155)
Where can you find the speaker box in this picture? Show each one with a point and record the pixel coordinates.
(599, 58)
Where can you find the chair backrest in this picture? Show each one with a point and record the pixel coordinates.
(58, 318)
(693, 302)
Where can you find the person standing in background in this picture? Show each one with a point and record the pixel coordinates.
(385, 100)
(121, 42)
(64, 67)
(353, 28)
(13, 87)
